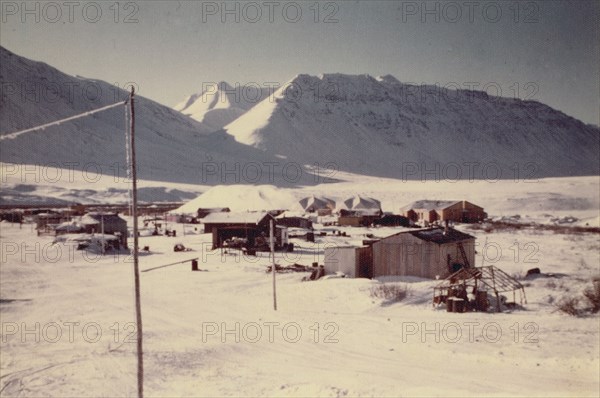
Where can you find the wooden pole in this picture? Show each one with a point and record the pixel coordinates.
(136, 268)
(102, 228)
(272, 242)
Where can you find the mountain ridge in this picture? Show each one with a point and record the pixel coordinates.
(170, 146)
(332, 122)
(380, 126)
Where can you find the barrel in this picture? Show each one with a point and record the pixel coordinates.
(449, 303)
(481, 300)
(458, 305)
(194, 265)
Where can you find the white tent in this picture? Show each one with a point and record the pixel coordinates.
(314, 203)
(362, 203)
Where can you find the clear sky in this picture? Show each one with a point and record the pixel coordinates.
(543, 50)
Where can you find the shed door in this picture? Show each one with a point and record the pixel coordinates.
(365, 263)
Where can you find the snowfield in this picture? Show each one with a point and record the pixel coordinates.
(67, 315)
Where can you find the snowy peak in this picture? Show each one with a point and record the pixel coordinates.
(170, 146)
(389, 79)
(379, 126)
(218, 104)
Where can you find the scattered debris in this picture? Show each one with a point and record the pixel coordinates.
(290, 268)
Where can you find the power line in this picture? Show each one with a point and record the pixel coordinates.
(57, 122)
(131, 172)
(136, 268)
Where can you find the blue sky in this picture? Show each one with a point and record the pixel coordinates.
(543, 50)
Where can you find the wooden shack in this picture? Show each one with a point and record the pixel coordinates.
(392, 220)
(254, 227)
(355, 262)
(431, 211)
(295, 222)
(107, 223)
(358, 218)
(427, 253)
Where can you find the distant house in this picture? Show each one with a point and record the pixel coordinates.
(252, 226)
(431, 211)
(195, 218)
(427, 253)
(355, 262)
(49, 220)
(392, 220)
(359, 217)
(69, 227)
(107, 223)
(203, 212)
(15, 216)
(295, 222)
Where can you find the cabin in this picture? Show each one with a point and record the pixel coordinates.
(436, 211)
(253, 227)
(203, 212)
(107, 223)
(392, 220)
(69, 227)
(355, 262)
(295, 222)
(359, 217)
(14, 216)
(427, 253)
(191, 218)
(50, 219)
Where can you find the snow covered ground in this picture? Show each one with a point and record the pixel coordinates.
(66, 315)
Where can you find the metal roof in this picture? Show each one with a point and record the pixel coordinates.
(431, 204)
(96, 218)
(436, 235)
(439, 236)
(235, 218)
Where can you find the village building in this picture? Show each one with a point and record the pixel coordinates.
(253, 227)
(49, 219)
(436, 211)
(358, 218)
(107, 223)
(427, 253)
(355, 262)
(194, 218)
(360, 211)
(294, 222)
(392, 220)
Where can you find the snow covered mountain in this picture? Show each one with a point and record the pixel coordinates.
(379, 126)
(170, 146)
(297, 136)
(218, 104)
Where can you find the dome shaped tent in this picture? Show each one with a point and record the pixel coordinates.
(313, 203)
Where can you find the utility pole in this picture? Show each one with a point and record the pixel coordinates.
(272, 241)
(136, 268)
(102, 229)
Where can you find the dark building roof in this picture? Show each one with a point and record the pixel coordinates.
(106, 217)
(431, 204)
(437, 235)
(247, 218)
